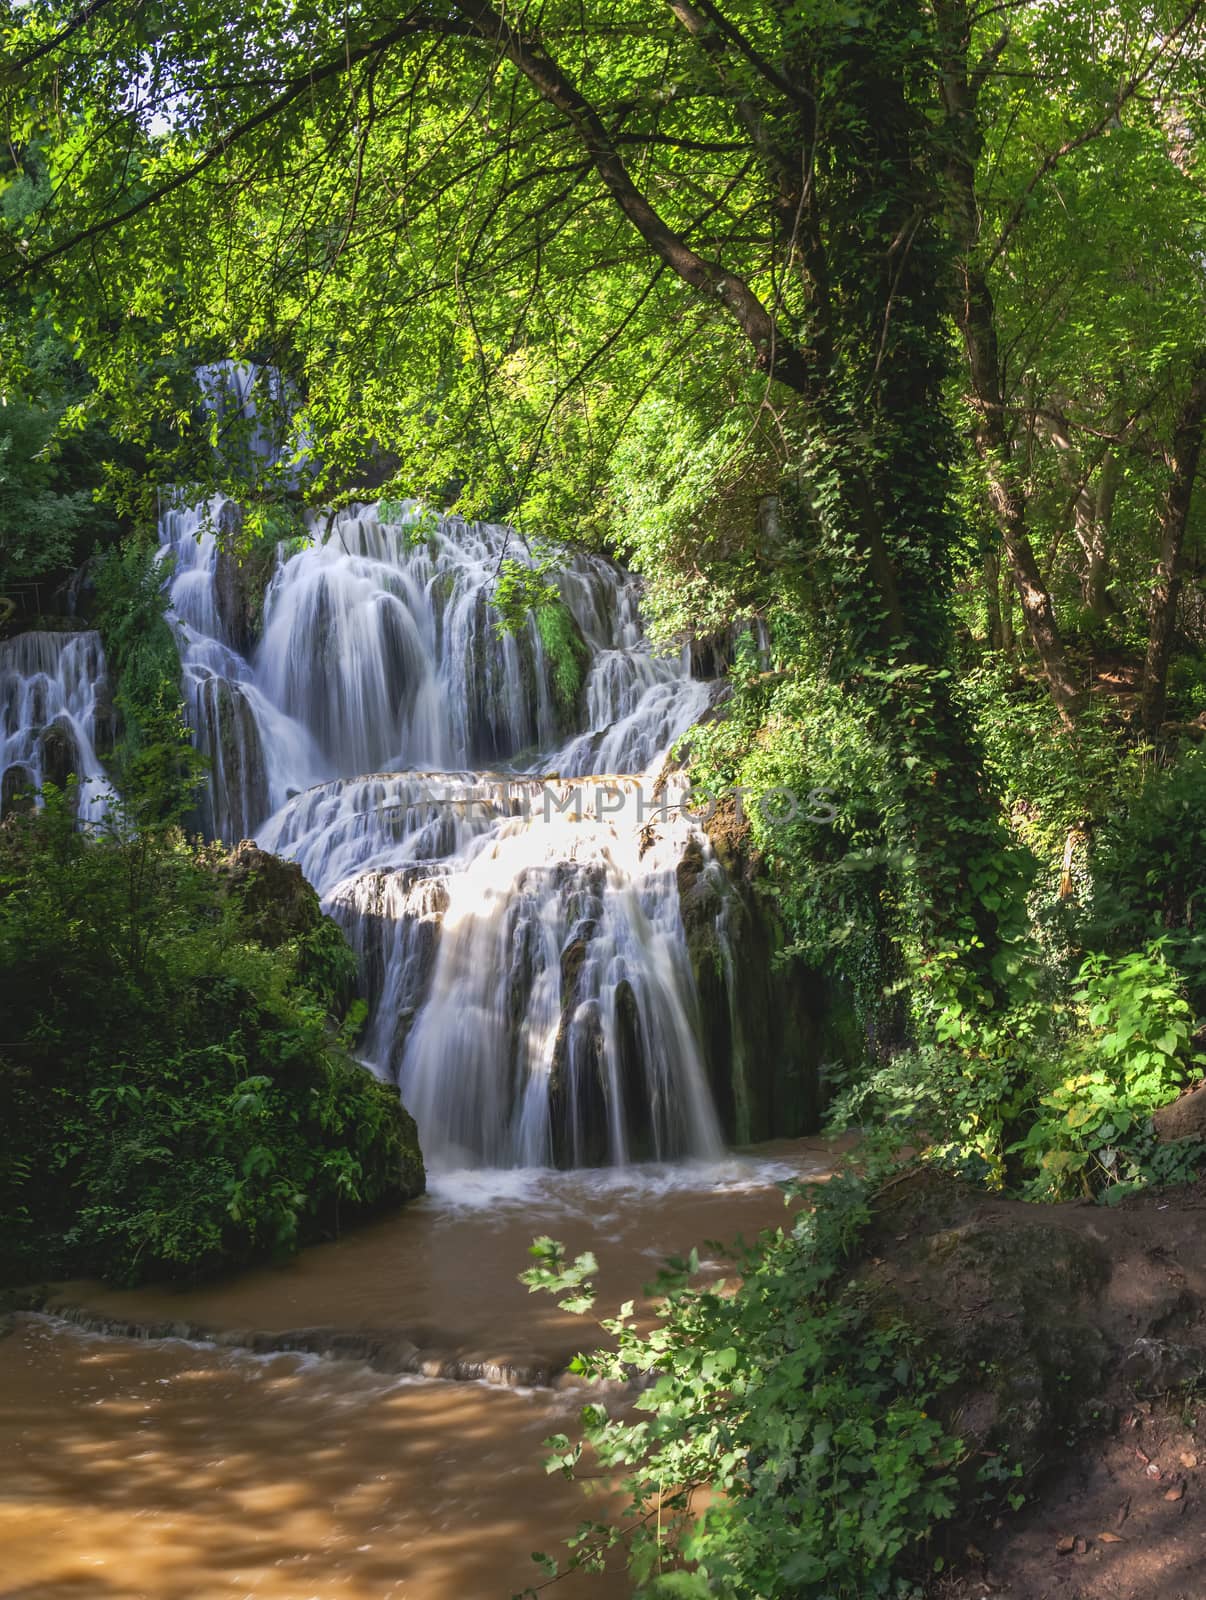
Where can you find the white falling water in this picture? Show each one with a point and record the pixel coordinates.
(53, 696)
(520, 940)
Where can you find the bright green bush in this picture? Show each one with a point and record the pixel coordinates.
(175, 1096)
(1051, 1097)
(1050, 781)
(1133, 1054)
(807, 1419)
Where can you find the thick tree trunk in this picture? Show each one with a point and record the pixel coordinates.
(1162, 617)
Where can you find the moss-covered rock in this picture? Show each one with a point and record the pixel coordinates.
(242, 573)
(412, 1176)
(276, 901)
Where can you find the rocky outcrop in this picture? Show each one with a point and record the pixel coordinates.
(768, 1021)
(238, 794)
(241, 577)
(412, 1176)
(18, 788)
(1048, 1318)
(59, 755)
(276, 902)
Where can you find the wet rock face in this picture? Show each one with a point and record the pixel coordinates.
(766, 1024)
(60, 757)
(277, 902)
(392, 921)
(17, 790)
(412, 1177)
(240, 580)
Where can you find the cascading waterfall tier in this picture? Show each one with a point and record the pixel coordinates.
(517, 919)
(54, 705)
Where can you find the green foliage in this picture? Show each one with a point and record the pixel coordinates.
(521, 587)
(690, 473)
(804, 1419)
(38, 522)
(1150, 871)
(1051, 780)
(831, 869)
(566, 654)
(860, 892)
(1052, 1096)
(152, 758)
(1187, 687)
(418, 525)
(1132, 1055)
(174, 1095)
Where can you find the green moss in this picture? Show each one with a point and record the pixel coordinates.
(566, 654)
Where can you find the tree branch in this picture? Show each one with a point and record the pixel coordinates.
(48, 46)
(775, 354)
(1113, 111)
(336, 67)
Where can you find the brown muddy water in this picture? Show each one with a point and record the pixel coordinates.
(228, 1464)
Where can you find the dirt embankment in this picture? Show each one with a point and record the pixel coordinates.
(1079, 1333)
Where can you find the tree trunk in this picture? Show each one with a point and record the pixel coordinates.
(976, 314)
(1093, 508)
(1162, 617)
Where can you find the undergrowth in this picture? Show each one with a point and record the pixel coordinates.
(176, 1093)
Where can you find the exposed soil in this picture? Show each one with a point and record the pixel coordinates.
(1123, 1519)
(1081, 1331)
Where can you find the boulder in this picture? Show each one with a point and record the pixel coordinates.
(1017, 1303)
(241, 578)
(59, 755)
(17, 790)
(277, 902)
(1185, 1118)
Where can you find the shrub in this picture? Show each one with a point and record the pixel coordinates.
(805, 1420)
(175, 1094)
(1150, 872)
(1133, 1054)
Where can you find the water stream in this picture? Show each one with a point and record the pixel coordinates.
(517, 917)
(268, 1436)
(490, 817)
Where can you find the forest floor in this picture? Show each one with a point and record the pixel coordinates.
(1103, 1525)
(1089, 1324)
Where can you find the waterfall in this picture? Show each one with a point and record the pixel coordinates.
(54, 705)
(517, 919)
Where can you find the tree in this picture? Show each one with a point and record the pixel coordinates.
(494, 240)
(485, 204)
(1078, 213)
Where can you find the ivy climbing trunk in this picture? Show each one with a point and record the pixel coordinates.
(881, 528)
